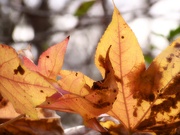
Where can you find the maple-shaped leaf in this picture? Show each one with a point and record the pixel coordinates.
(146, 98)
(24, 88)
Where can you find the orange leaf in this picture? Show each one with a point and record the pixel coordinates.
(127, 62)
(50, 62)
(25, 89)
(145, 98)
(87, 99)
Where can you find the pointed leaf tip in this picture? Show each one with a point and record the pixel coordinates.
(68, 37)
(51, 61)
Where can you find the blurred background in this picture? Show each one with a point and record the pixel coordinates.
(42, 23)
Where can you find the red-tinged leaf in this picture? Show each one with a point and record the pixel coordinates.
(24, 88)
(50, 61)
(29, 64)
(88, 101)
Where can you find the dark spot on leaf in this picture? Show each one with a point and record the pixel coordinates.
(165, 106)
(169, 59)
(41, 91)
(100, 101)
(19, 70)
(147, 123)
(139, 102)
(3, 102)
(118, 79)
(135, 112)
(48, 103)
(47, 56)
(173, 88)
(151, 97)
(98, 86)
(102, 105)
(165, 68)
(101, 61)
(114, 90)
(177, 45)
(76, 74)
(122, 37)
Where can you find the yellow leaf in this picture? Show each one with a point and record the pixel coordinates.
(25, 89)
(127, 62)
(159, 84)
(123, 42)
(85, 97)
(75, 82)
(162, 70)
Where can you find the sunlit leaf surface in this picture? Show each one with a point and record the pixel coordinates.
(24, 88)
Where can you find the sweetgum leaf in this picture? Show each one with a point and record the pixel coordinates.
(87, 99)
(24, 88)
(127, 62)
(146, 98)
